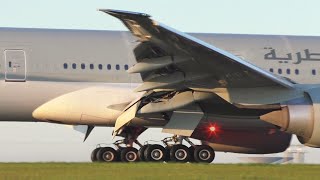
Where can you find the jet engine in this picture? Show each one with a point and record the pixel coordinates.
(299, 116)
(241, 134)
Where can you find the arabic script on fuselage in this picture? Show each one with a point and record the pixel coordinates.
(297, 57)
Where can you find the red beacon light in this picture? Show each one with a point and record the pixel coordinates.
(212, 128)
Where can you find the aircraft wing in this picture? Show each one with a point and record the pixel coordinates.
(174, 66)
(169, 59)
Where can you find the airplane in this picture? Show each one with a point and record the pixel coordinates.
(235, 93)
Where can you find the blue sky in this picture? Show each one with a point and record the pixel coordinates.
(46, 142)
(294, 17)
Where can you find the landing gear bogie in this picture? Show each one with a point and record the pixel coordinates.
(172, 151)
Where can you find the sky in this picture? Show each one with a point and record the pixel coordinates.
(51, 142)
(293, 17)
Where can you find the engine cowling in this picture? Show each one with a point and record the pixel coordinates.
(300, 116)
(240, 134)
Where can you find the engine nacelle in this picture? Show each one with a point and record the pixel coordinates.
(301, 117)
(241, 135)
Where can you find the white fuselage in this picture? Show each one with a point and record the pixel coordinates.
(38, 65)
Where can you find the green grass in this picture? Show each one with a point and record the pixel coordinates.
(61, 171)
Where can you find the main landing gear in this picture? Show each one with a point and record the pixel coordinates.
(173, 151)
(109, 154)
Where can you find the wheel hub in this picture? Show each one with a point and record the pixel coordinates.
(131, 156)
(204, 154)
(181, 154)
(156, 154)
(108, 156)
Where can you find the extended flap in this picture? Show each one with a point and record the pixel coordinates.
(126, 117)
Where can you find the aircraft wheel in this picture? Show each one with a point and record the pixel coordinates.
(107, 154)
(179, 153)
(203, 154)
(98, 155)
(129, 154)
(94, 155)
(119, 153)
(167, 158)
(141, 152)
(155, 153)
(191, 151)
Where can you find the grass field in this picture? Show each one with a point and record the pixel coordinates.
(61, 171)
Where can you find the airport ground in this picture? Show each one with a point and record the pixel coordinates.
(61, 171)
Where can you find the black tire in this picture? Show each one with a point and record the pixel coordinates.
(191, 151)
(167, 158)
(99, 158)
(141, 152)
(129, 154)
(179, 153)
(155, 153)
(107, 154)
(94, 155)
(203, 154)
(119, 153)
